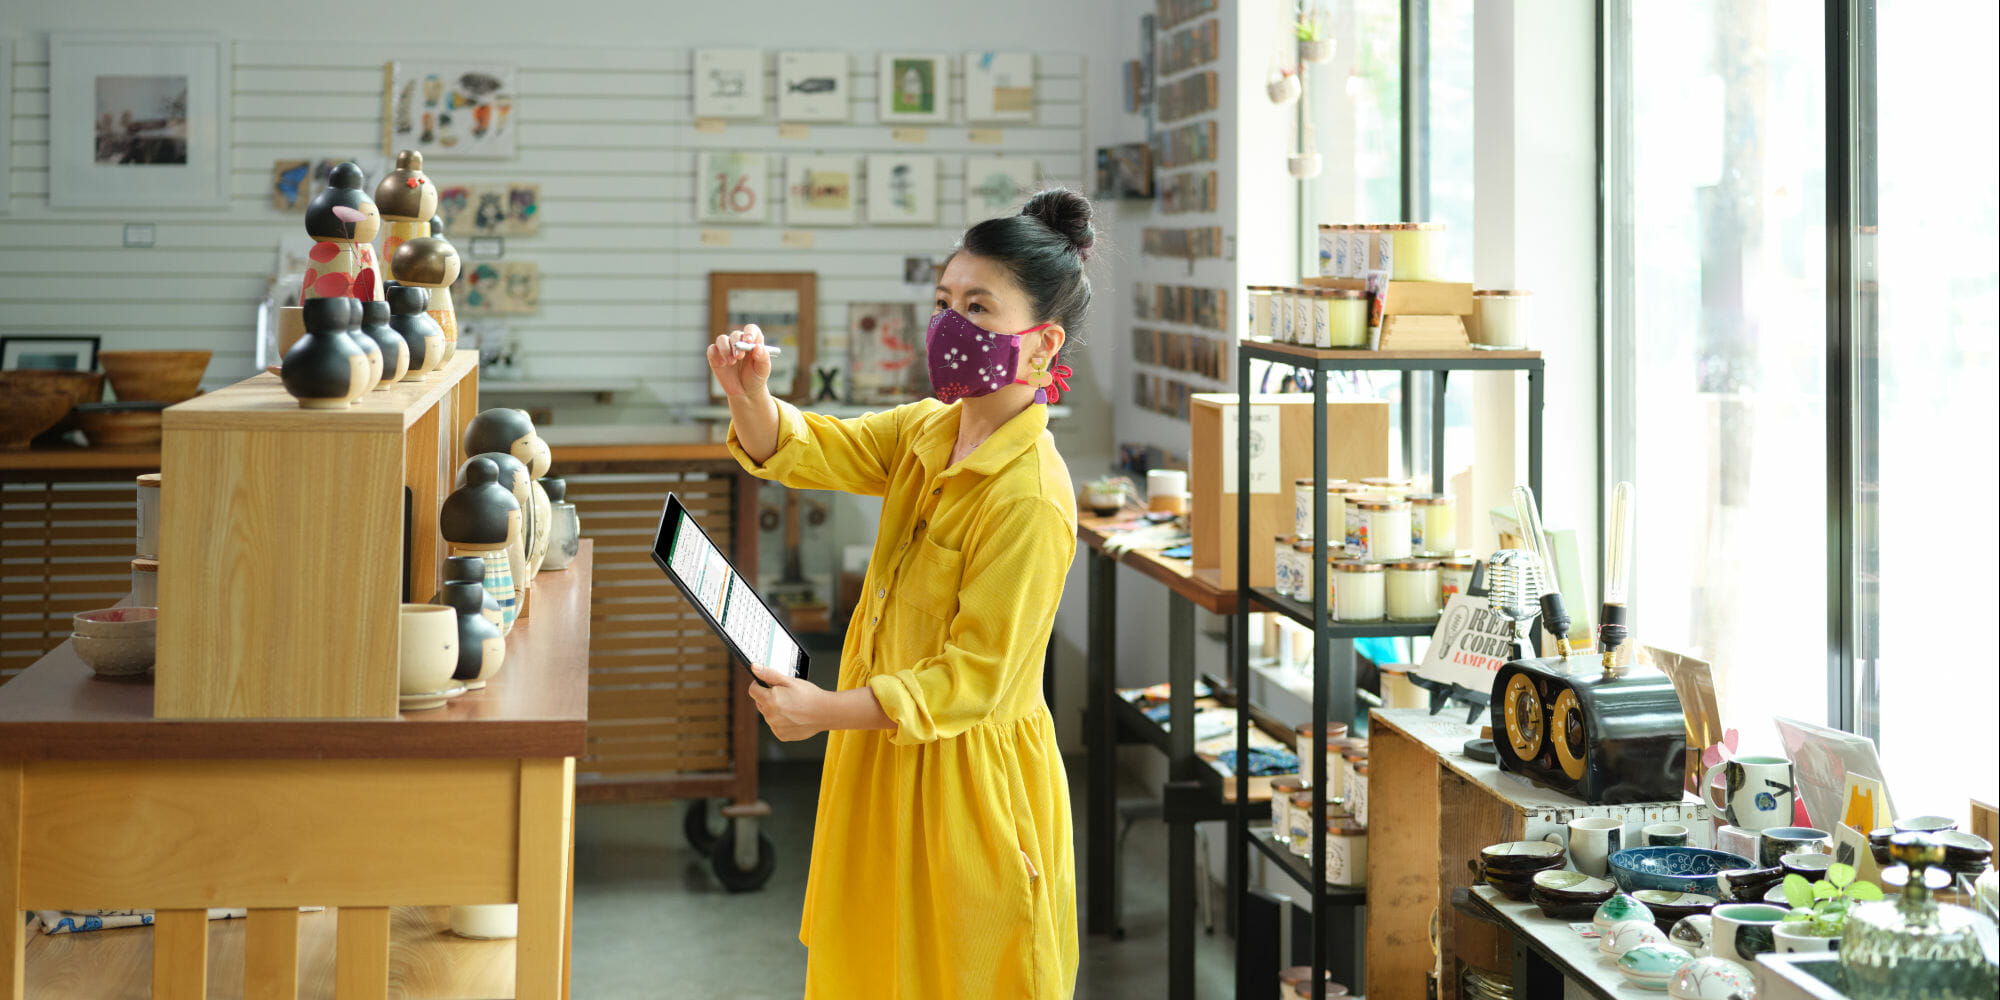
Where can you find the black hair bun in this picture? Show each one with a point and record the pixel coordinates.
(1067, 213)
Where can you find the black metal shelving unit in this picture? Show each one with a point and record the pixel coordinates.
(1333, 694)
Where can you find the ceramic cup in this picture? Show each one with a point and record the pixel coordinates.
(1664, 835)
(1926, 824)
(428, 648)
(1809, 866)
(1592, 841)
(1794, 937)
(1743, 931)
(1757, 791)
(1776, 842)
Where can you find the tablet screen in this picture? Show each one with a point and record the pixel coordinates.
(729, 601)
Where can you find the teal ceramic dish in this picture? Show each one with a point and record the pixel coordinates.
(1674, 869)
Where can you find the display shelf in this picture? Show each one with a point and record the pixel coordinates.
(1325, 359)
(1217, 790)
(1302, 613)
(1548, 951)
(1300, 870)
(603, 391)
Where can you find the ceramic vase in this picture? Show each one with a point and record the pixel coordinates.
(408, 318)
(428, 649)
(324, 369)
(481, 646)
(481, 518)
(470, 569)
(565, 528)
(370, 350)
(395, 353)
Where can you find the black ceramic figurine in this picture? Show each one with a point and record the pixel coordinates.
(482, 518)
(395, 353)
(512, 432)
(499, 429)
(369, 348)
(470, 569)
(324, 370)
(409, 318)
(481, 644)
(516, 480)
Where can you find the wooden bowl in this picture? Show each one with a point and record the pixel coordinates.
(120, 425)
(154, 376)
(26, 413)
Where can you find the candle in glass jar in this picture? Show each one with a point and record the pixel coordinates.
(1300, 814)
(1500, 318)
(1385, 528)
(1359, 595)
(1382, 248)
(1302, 316)
(1302, 563)
(1346, 317)
(1454, 576)
(1389, 486)
(1433, 524)
(1415, 251)
(1260, 311)
(1283, 788)
(1413, 590)
(1341, 497)
(1282, 580)
(1302, 508)
(1333, 251)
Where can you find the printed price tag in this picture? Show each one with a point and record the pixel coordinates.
(717, 237)
(710, 126)
(909, 134)
(794, 130)
(797, 239)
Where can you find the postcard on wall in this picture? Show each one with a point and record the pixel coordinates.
(498, 288)
(813, 87)
(820, 190)
(885, 346)
(448, 110)
(913, 87)
(902, 190)
(997, 185)
(730, 187)
(728, 83)
(1000, 86)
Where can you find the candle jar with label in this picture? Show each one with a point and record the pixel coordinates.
(1360, 251)
(1298, 835)
(1284, 578)
(1433, 524)
(1333, 251)
(1283, 787)
(1413, 590)
(1358, 590)
(1304, 741)
(1390, 486)
(1346, 851)
(1500, 316)
(1342, 496)
(1415, 251)
(1454, 576)
(1382, 248)
(1386, 528)
(1260, 311)
(1281, 314)
(1346, 312)
(1302, 316)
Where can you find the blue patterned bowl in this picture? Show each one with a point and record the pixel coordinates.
(1675, 869)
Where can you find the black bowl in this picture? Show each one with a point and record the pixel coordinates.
(1528, 856)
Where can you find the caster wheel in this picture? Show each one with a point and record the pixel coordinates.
(700, 835)
(735, 879)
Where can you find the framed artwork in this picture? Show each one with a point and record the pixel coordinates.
(785, 305)
(913, 88)
(498, 288)
(449, 110)
(291, 184)
(64, 354)
(730, 187)
(820, 190)
(997, 185)
(813, 87)
(729, 83)
(1000, 86)
(1125, 171)
(511, 209)
(885, 350)
(902, 190)
(138, 120)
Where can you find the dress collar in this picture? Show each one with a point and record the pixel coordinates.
(934, 443)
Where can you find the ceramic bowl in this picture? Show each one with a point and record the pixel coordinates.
(154, 376)
(1675, 869)
(80, 387)
(1713, 979)
(1926, 824)
(1628, 934)
(121, 425)
(1811, 867)
(116, 623)
(1652, 966)
(1692, 934)
(1518, 886)
(1965, 853)
(1670, 907)
(1618, 909)
(1522, 856)
(1568, 895)
(115, 656)
(1747, 885)
(1779, 841)
(25, 413)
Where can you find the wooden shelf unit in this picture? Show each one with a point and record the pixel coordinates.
(285, 606)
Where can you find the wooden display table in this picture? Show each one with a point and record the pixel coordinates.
(103, 806)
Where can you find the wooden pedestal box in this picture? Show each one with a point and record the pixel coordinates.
(296, 534)
(1357, 446)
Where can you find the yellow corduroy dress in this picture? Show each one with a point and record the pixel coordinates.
(942, 865)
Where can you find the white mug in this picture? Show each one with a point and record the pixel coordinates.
(1757, 792)
(1743, 931)
(1592, 841)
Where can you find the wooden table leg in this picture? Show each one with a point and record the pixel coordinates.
(271, 954)
(13, 930)
(361, 953)
(569, 900)
(548, 789)
(180, 954)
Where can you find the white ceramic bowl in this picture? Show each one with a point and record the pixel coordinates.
(115, 656)
(116, 623)
(1692, 934)
(1630, 934)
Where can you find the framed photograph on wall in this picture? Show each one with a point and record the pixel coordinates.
(729, 83)
(997, 185)
(902, 190)
(731, 187)
(785, 305)
(999, 86)
(455, 110)
(138, 120)
(914, 88)
(63, 354)
(885, 348)
(813, 87)
(820, 190)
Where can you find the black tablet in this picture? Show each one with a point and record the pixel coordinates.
(726, 599)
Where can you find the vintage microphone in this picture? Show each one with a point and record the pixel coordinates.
(1513, 589)
(1555, 618)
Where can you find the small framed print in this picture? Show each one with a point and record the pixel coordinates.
(820, 190)
(785, 305)
(914, 87)
(813, 87)
(729, 83)
(64, 354)
(138, 120)
(997, 185)
(902, 190)
(731, 187)
(1000, 86)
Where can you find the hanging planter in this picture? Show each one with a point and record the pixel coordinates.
(1317, 50)
(1283, 86)
(1303, 166)
(1315, 41)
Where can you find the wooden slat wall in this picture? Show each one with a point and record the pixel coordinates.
(64, 547)
(607, 132)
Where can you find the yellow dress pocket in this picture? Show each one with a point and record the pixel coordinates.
(930, 582)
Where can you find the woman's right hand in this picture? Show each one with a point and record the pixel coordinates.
(741, 372)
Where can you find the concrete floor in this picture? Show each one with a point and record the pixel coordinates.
(652, 922)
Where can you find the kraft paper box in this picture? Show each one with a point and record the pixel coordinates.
(1357, 447)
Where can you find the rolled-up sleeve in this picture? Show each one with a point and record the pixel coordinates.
(818, 452)
(1008, 593)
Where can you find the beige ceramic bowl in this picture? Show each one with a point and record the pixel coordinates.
(121, 656)
(117, 623)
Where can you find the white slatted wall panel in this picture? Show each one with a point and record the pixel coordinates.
(607, 132)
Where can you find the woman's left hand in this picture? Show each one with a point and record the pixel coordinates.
(793, 708)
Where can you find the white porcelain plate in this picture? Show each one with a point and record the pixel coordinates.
(429, 699)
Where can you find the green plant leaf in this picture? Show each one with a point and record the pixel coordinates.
(1824, 890)
(1797, 917)
(1864, 891)
(1840, 875)
(1798, 892)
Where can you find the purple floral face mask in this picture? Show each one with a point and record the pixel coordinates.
(965, 360)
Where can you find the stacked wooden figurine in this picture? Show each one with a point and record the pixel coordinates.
(517, 535)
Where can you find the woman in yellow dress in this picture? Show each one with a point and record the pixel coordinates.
(942, 865)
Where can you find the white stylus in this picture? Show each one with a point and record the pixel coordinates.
(744, 345)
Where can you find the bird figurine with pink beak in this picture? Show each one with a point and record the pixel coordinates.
(343, 221)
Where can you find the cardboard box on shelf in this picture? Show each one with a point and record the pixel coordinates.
(1357, 446)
